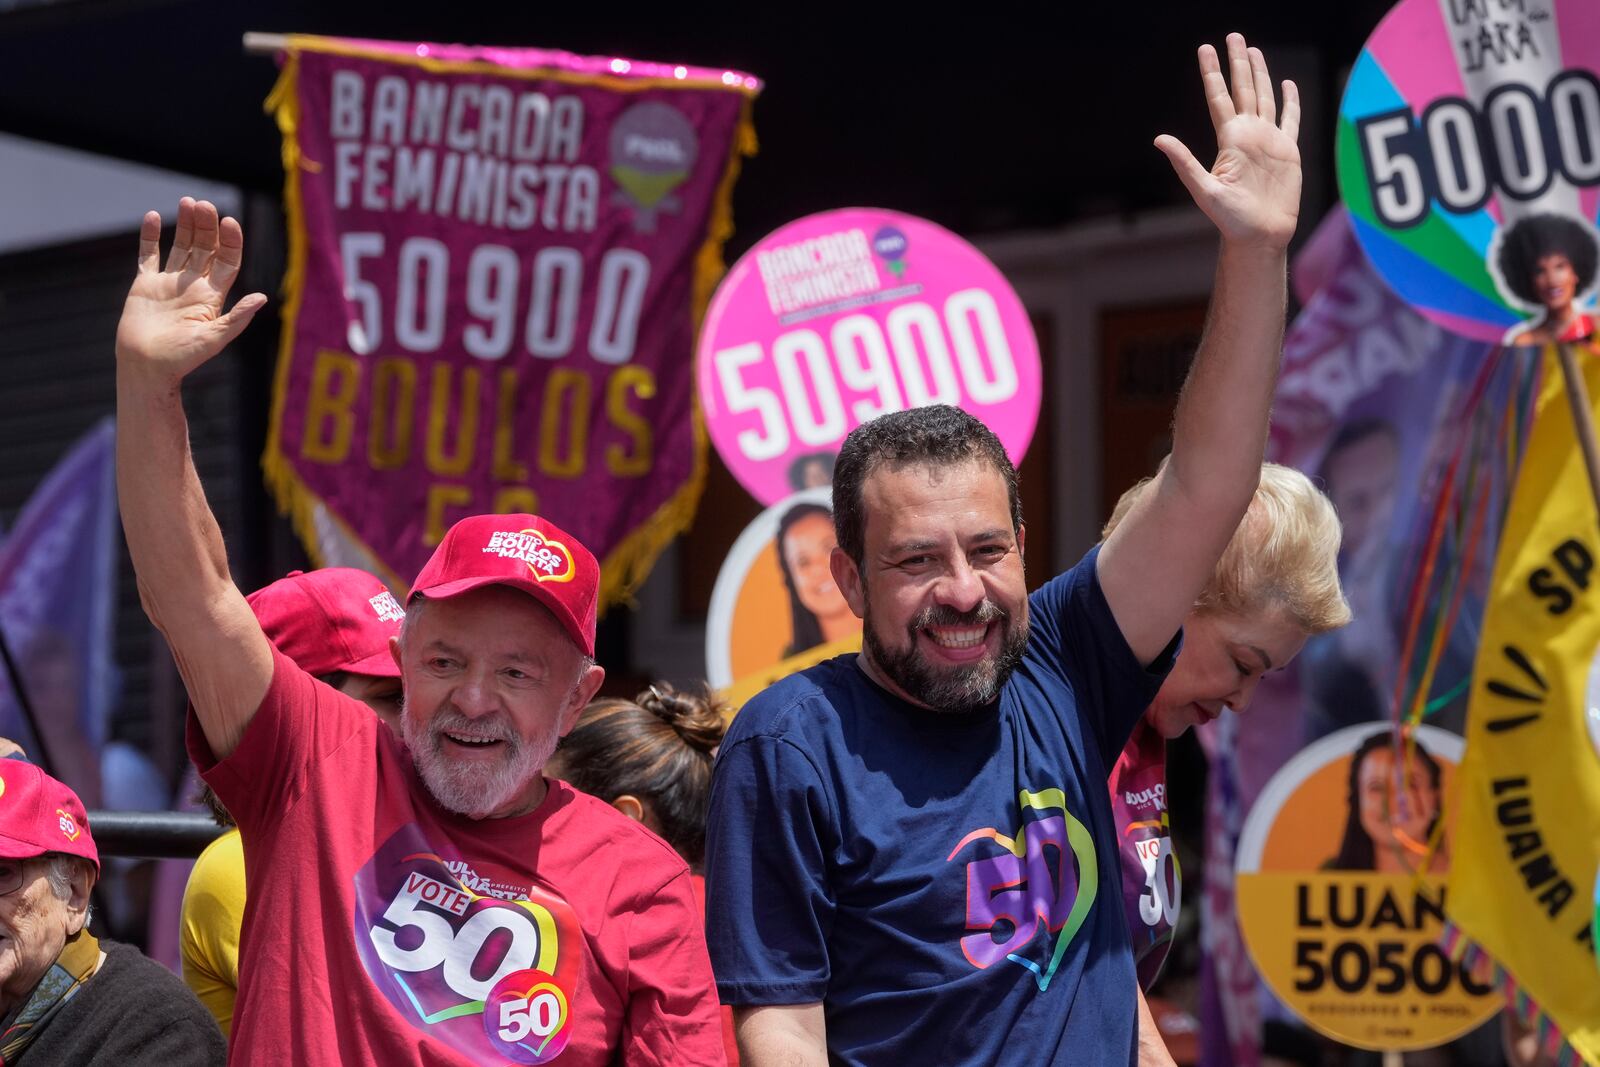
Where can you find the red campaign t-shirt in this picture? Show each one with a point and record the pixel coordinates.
(1152, 885)
(729, 1044)
(382, 929)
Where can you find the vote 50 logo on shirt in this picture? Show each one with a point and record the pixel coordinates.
(483, 974)
(1046, 876)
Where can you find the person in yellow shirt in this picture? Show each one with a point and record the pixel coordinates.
(336, 624)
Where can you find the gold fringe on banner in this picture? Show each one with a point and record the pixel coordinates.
(293, 496)
(625, 568)
(627, 565)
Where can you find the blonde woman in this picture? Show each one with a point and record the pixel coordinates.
(1276, 584)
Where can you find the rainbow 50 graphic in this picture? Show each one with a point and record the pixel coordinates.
(1015, 891)
(1464, 124)
(485, 975)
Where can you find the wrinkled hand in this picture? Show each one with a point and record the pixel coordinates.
(1252, 191)
(172, 321)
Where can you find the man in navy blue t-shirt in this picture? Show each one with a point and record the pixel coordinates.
(911, 857)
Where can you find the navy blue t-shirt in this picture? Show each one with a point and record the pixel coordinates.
(946, 885)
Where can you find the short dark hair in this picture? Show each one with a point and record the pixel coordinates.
(1531, 238)
(936, 436)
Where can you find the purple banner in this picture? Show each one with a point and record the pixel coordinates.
(58, 584)
(497, 262)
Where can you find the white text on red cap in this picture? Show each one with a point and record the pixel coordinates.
(549, 560)
(387, 607)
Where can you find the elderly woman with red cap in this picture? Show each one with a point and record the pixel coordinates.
(65, 996)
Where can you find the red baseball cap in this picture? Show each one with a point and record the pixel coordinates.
(333, 619)
(526, 553)
(38, 814)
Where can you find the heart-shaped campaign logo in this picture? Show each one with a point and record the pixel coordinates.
(491, 977)
(548, 559)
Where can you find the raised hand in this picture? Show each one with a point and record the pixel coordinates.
(172, 321)
(1252, 191)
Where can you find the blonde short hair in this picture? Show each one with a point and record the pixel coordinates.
(1284, 555)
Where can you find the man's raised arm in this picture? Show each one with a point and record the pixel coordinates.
(1156, 562)
(171, 324)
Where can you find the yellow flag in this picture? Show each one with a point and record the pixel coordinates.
(1528, 829)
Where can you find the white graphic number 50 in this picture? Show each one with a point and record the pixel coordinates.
(457, 950)
(539, 1016)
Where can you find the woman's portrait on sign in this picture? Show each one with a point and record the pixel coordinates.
(1392, 818)
(818, 613)
(1547, 263)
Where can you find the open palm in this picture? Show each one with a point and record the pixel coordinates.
(1252, 190)
(172, 321)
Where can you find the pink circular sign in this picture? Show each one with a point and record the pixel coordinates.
(840, 317)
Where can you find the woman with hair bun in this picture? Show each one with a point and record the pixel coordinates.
(650, 758)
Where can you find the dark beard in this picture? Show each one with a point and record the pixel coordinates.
(952, 689)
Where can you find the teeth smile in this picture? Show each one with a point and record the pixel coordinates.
(958, 638)
(463, 739)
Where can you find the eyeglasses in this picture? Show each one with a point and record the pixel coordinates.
(11, 876)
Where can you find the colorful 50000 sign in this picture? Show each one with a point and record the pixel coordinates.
(1460, 154)
(839, 317)
(1469, 157)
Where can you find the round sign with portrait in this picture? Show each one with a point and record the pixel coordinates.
(1341, 872)
(1468, 153)
(775, 608)
(839, 317)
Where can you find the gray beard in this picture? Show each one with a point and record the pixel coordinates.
(466, 789)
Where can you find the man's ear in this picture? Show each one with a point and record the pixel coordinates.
(83, 876)
(589, 683)
(394, 650)
(847, 576)
(1022, 539)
